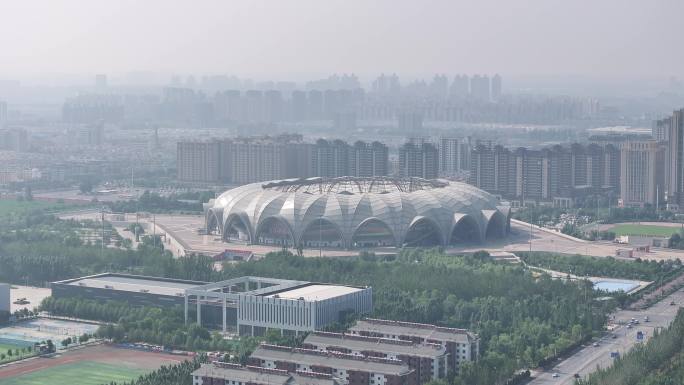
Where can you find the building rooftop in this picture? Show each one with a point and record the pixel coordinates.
(132, 283)
(262, 376)
(412, 329)
(385, 345)
(330, 360)
(316, 292)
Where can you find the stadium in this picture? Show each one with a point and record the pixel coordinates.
(357, 212)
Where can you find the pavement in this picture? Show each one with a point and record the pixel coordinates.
(185, 229)
(544, 240)
(588, 358)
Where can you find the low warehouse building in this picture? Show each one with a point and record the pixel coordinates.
(251, 305)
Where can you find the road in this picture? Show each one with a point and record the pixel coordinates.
(589, 357)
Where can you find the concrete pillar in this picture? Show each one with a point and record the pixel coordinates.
(252, 330)
(199, 311)
(186, 309)
(225, 328)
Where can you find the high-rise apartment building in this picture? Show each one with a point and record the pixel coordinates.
(496, 87)
(253, 159)
(199, 161)
(674, 161)
(479, 87)
(557, 174)
(410, 121)
(419, 160)
(642, 176)
(454, 155)
(460, 87)
(3, 113)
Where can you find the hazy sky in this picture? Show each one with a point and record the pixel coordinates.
(298, 39)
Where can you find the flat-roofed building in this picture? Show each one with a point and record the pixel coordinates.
(461, 345)
(349, 369)
(251, 305)
(428, 360)
(220, 373)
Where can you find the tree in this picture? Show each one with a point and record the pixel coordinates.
(86, 187)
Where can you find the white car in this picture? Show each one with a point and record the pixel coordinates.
(555, 375)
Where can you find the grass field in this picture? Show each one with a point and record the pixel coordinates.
(10, 206)
(76, 373)
(5, 347)
(644, 230)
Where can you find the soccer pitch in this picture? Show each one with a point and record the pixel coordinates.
(644, 230)
(77, 373)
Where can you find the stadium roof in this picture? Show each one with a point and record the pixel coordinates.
(351, 209)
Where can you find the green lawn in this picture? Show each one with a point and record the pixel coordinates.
(78, 373)
(644, 230)
(9, 206)
(5, 347)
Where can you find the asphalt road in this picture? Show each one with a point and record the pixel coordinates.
(589, 357)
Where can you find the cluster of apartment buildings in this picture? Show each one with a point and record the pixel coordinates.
(372, 352)
(558, 174)
(253, 159)
(261, 158)
(637, 171)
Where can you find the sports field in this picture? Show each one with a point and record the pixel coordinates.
(77, 373)
(644, 230)
(93, 365)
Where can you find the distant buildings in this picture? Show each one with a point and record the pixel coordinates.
(13, 139)
(479, 88)
(642, 173)
(496, 87)
(419, 160)
(3, 113)
(252, 159)
(558, 174)
(454, 156)
(674, 160)
(410, 122)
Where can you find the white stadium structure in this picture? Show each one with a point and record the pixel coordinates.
(357, 212)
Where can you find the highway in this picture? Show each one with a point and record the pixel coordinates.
(589, 357)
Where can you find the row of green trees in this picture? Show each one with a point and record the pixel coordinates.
(155, 203)
(179, 374)
(603, 267)
(660, 361)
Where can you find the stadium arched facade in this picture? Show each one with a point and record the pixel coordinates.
(357, 212)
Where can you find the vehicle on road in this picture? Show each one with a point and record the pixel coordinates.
(576, 375)
(629, 326)
(555, 375)
(614, 336)
(596, 344)
(646, 319)
(672, 303)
